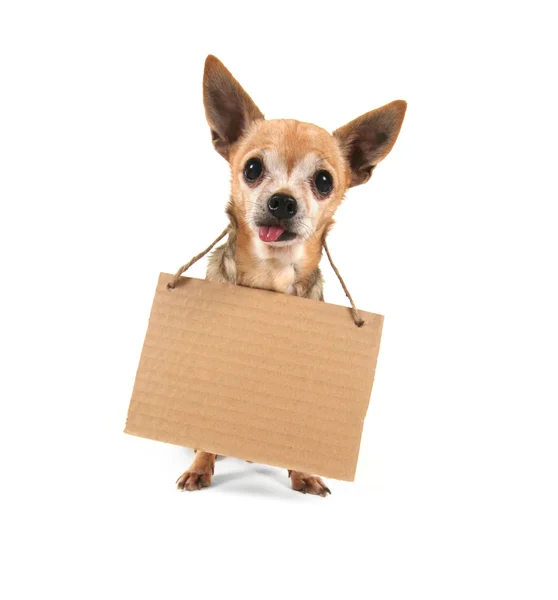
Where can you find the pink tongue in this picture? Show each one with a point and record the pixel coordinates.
(270, 234)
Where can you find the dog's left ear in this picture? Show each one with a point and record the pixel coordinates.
(369, 138)
(228, 108)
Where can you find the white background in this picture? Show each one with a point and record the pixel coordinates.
(107, 177)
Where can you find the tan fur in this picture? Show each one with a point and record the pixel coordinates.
(199, 474)
(228, 108)
(292, 141)
(308, 484)
(291, 152)
(368, 139)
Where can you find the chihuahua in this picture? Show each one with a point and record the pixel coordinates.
(287, 180)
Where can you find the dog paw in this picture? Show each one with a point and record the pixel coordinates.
(309, 484)
(190, 481)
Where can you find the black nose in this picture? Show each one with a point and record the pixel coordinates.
(282, 206)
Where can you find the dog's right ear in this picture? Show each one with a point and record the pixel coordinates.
(228, 108)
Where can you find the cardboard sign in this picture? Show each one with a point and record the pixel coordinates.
(258, 375)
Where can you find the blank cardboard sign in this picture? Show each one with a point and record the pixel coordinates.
(258, 375)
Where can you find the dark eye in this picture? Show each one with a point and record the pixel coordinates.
(323, 182)
(253, 169)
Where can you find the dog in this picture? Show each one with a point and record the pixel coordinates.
(287, 180)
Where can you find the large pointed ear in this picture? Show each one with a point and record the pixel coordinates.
(369, 138)
(228, 108)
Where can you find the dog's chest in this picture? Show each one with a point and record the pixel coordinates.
(275, 271)
(270, 275)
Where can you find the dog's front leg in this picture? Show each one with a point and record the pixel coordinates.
(199, 474)
(308, 484)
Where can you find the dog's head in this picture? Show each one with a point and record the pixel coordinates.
(288, 177)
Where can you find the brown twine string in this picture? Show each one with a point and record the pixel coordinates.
(359, 321)
(172, 284)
